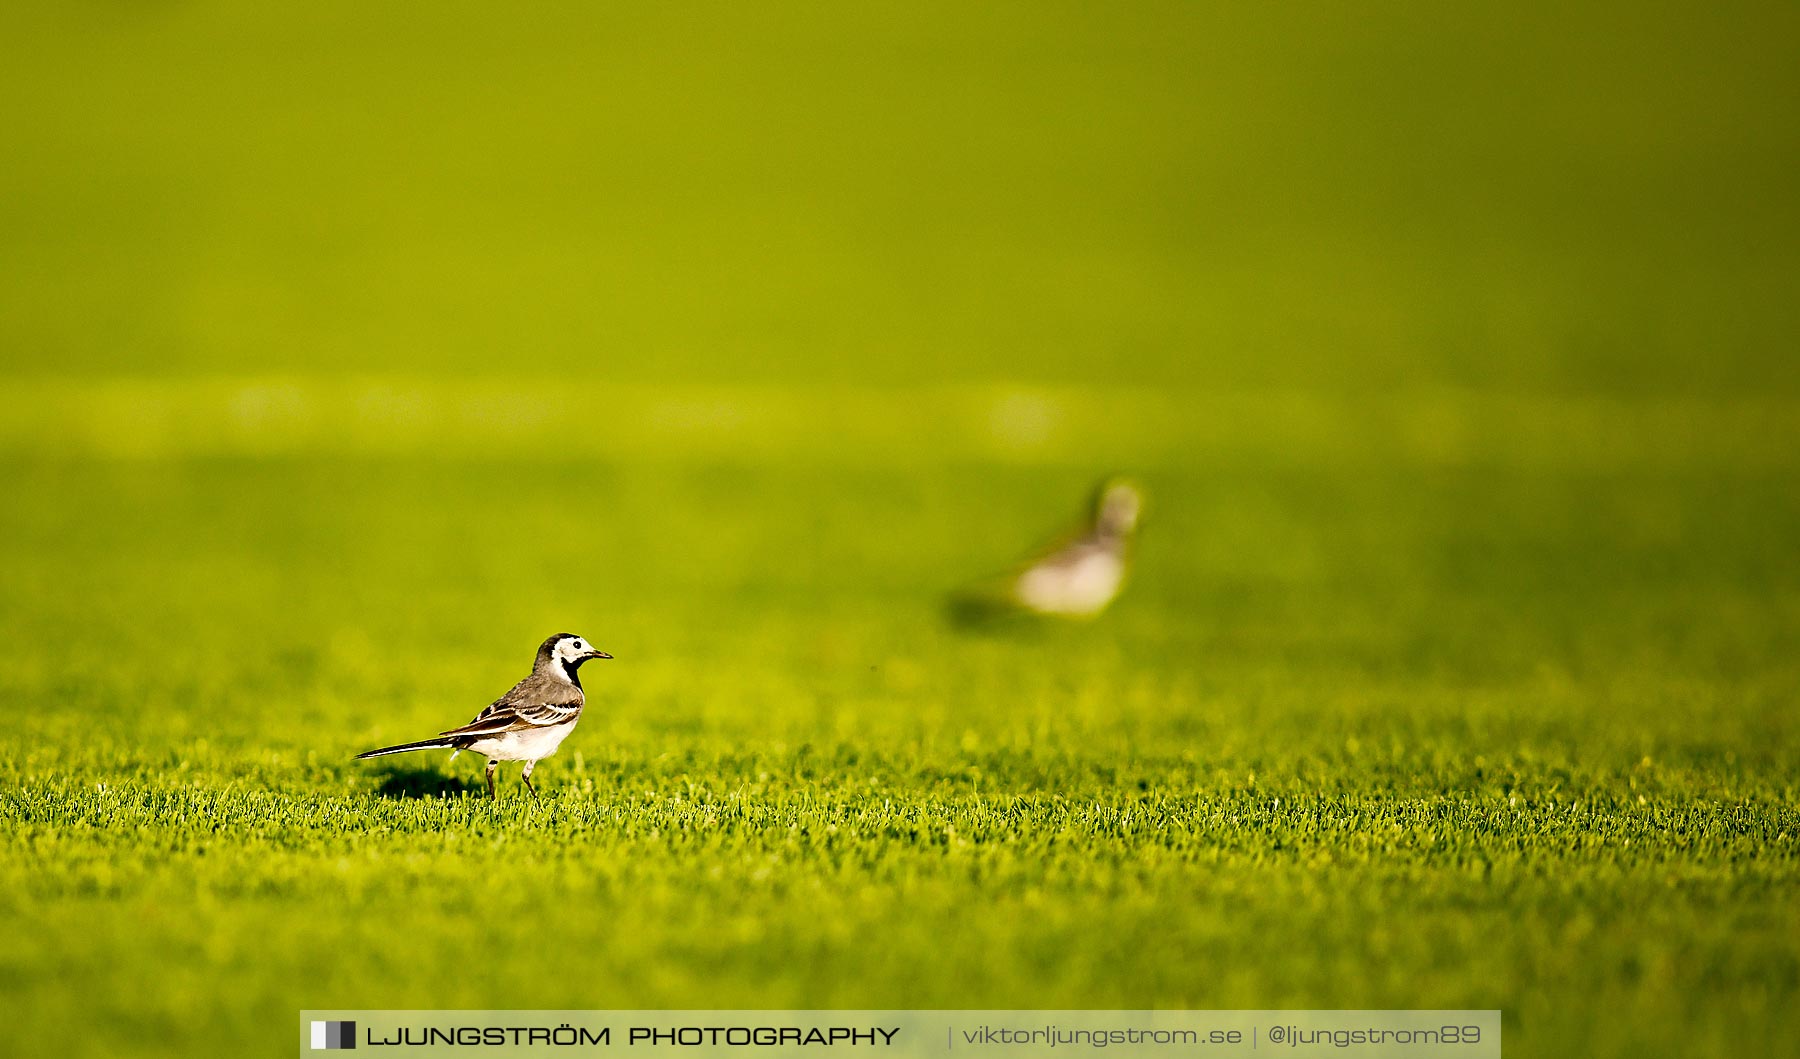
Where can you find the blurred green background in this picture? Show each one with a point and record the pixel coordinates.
(346, 352)
(1317, 196)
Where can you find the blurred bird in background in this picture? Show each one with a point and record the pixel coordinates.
(1077, 576)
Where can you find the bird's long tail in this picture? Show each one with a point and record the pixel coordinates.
(401, 748)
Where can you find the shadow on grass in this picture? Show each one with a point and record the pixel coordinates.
(989, 615)
(425, 783)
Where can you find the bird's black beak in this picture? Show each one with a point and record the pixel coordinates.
(596, 654)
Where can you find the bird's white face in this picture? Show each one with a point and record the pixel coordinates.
(1120, 507)
(574, 650)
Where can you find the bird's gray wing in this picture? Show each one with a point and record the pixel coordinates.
(1066, 553)
(1001, 590)
(532, 703)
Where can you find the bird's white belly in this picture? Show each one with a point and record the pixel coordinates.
(526, 744)
(1082, 588)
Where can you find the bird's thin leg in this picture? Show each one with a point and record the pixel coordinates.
(492, 765)
(526, 776)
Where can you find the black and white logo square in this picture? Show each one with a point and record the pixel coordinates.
(333, 1035)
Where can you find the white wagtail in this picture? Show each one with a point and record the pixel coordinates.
(1076, 577)
(527, 723)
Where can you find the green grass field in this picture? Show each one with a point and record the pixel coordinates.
(1380, 737)
(344, 356)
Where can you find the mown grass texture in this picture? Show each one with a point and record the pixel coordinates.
(1401, 738)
